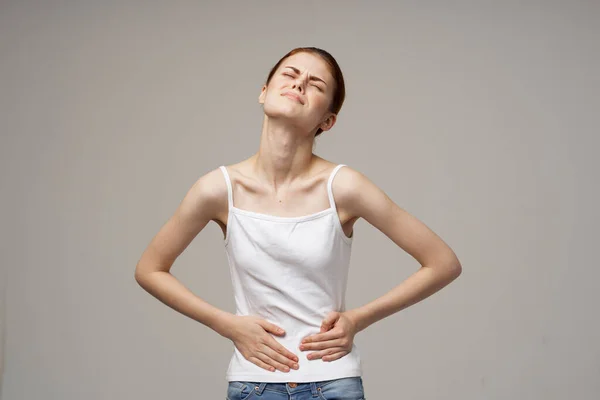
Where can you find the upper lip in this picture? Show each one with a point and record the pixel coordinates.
(294, 95)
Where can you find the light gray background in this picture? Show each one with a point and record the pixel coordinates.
(479, 118)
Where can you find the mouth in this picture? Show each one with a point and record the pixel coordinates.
(294, 97)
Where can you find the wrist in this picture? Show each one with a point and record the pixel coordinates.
(223, 324)
(355, 315)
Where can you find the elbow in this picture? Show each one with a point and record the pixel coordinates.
(449, 270)
(144, 270)
(454, 268)
(140, 274)
(449, 266)
(457, 270)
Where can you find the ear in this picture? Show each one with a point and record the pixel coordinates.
(328, 123)
(263, 92)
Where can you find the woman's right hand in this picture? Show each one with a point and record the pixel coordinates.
(250, 335)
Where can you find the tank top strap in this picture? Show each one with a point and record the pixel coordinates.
(329, 182)
(229, 187)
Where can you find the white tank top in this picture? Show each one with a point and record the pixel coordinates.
(291, 271)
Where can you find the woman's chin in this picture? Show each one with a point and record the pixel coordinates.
(284, 113)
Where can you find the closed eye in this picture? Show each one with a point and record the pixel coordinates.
(291, 76)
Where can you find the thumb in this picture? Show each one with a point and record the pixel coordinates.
(272, 328)
(329, 321)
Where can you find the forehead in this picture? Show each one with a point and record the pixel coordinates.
(311, 63)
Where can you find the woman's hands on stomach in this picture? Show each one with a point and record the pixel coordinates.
(250, 335)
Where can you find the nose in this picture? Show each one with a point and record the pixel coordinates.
(298, 85)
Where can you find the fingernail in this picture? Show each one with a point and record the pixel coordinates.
(296, 366)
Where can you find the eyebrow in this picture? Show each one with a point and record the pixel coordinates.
(312, 78)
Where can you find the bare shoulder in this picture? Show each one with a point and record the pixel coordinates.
(204, 201)
(359, 197)
(350, 187)
(206, 197)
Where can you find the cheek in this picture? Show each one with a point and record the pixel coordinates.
(321, 101)
(273, 97)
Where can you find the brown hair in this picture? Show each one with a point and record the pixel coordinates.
(340, 89)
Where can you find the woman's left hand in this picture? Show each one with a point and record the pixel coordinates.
(335, 339)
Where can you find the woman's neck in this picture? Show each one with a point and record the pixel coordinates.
(284, 155)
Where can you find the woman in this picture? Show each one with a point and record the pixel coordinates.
(288, 232)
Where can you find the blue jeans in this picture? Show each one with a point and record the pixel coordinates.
(337, 389)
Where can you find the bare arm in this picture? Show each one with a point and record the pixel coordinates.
(439, 265)
(251, 335)
(199, 206)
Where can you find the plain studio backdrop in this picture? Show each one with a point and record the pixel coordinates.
(478, 118)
